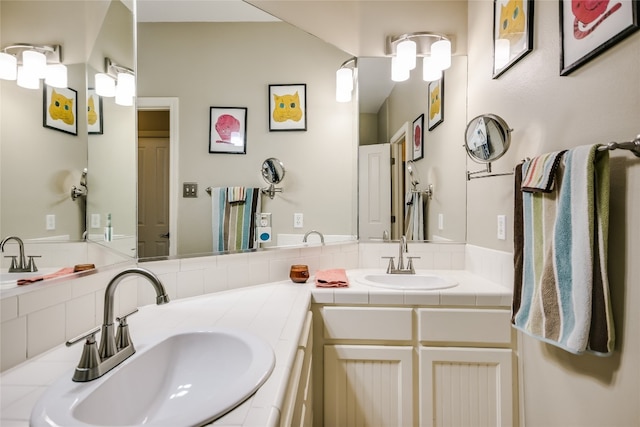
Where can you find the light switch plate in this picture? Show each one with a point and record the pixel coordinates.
(502, 227)
(190, 189)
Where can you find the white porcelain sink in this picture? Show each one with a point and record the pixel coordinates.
(184, 379)
(10, 280)
(408, 281)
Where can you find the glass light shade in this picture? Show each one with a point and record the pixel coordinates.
(406, 53)
(430, 72)
(35, 63)
(8, 66)
(502, 53)
(105, 85)
(126, 84)
(26, 79)
(123, 99)
(56, 75)
(399, 73)
(441, 54)
(344, 84)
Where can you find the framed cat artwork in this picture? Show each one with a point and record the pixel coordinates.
(94, 112)
(589, 28)
(60, 109)
(228, 130)
(288, 107)
(512, 33)
(436, 103)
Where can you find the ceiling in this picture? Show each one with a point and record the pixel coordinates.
(359, 27)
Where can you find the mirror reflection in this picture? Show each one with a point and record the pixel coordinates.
(43, 164)
(387, 208)
(487, 138)
(321, 164)
(273, 171)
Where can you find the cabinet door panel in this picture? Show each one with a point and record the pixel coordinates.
(465, 387)
(368, 386)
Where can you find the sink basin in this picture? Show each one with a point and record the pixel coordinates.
(183, 379)
(10, 280)
(408, 281)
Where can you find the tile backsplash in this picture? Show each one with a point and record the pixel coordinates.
(48, 313)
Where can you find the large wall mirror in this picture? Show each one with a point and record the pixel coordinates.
(40, 165)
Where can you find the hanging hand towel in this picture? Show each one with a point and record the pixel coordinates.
(561, 290)
(233, 224)
(541, 172)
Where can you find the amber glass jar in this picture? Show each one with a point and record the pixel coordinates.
(299, 273)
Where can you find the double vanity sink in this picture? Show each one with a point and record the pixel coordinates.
(216, 352)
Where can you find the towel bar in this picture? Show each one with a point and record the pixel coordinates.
(633, 146)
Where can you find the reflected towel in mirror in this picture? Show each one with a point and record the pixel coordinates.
(233, 224)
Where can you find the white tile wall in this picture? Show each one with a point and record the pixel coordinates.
(490, 264)
(49, 313)
(429, 256)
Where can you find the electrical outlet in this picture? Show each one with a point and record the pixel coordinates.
(95, 220)
(51, 222)
(440, 221)
(298, 220)
(502, 227)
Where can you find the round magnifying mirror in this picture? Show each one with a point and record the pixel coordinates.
(272, 170)
(412, 170)
(487, 138)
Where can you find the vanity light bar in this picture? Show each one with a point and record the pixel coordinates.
(29, 63)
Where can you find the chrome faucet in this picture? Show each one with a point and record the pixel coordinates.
(401, 269)
(114, 348)
(19, 265)
(304, 239)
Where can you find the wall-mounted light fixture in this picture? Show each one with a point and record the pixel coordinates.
(118, 81)
(27, 64)
(434, 48)
(344, 79)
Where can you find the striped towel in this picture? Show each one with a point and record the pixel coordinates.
(541, 172)
(235, 194)
(233, 224)
(561, 289)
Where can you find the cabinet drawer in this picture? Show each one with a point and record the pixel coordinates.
(464, 326)
(366, 323)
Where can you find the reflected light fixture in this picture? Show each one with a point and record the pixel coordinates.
(344, 79)
(434, 48)
(27, 64)
(117, 81)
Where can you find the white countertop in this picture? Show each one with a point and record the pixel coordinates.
(274, 311)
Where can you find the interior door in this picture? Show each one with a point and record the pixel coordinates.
(374, 195)
(153, 196)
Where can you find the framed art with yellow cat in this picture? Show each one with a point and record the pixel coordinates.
(436, 103)
(512, 33)
(288, 107)
(94, 112)
(60, 109)
(228, 130)
(588, 28)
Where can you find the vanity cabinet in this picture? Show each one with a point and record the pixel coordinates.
(297, 410)
(415, 366)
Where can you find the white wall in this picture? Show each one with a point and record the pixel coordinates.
(232, 65)
(598, 103)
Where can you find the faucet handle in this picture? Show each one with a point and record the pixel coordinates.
(31, 265)
(90, 357)
(410, 264)
(89, 336)
(391, 267)
(14, 263)
(123, 339)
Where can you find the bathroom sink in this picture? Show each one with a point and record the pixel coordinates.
(408, 281)
(183, 379)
